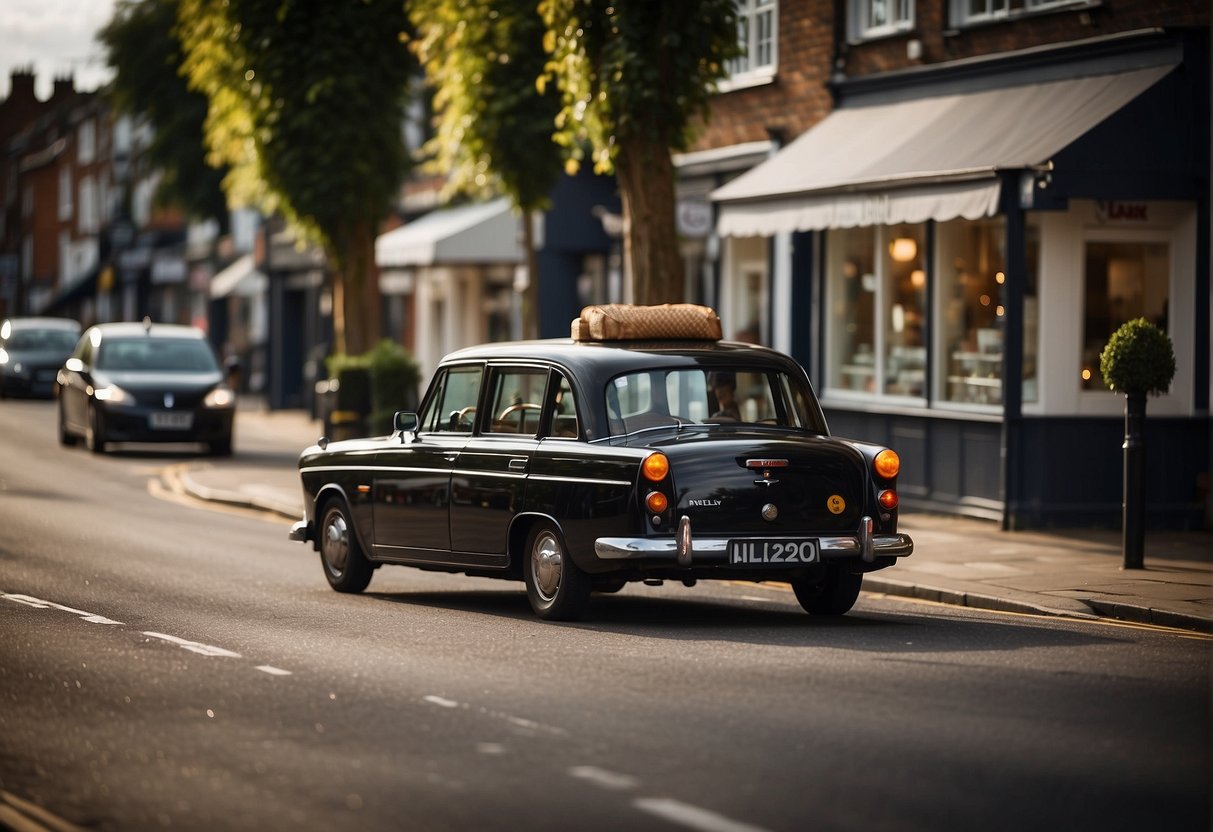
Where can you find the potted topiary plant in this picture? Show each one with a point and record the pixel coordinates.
(1137, 361)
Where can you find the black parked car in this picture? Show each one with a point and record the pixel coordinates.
(582, 465)
(31, 351)
(131, 382)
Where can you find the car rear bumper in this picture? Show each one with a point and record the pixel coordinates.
(685, 550)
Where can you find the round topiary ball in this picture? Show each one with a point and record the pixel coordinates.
(1138, 359)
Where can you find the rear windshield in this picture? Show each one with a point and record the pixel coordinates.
(50, 340)
(701, 396)
(157, 354)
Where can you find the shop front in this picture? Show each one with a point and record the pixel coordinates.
(962, 243)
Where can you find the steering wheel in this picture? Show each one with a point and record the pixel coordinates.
(520, 409)
(460, 419)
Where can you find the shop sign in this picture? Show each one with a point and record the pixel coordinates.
(694, 217)
(1110, 211)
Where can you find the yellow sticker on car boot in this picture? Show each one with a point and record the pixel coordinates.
(836, 504)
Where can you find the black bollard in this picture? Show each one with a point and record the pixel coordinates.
(1134, 484)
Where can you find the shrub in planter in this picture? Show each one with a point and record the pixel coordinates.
(393, 380)
(1138, 359)
(353, 390)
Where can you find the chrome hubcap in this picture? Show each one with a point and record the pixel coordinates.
(547, 563)
(336, 542)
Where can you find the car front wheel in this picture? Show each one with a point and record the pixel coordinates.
(94, 434)
(833, 592)
(345, 566)
(557, 589)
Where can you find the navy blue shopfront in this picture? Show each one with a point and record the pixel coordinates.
(950, 297)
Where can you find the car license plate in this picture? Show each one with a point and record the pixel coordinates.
(167, 420)
(766, 552)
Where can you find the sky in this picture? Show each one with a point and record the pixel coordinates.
(56, 37)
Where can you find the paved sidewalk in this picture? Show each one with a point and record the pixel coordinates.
(956, 560)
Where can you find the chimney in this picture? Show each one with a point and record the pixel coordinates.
(21, 85)
(64, 88)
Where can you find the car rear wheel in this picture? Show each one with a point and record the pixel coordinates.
(345, 566)
(557, 589)
(833, 592)
(94, 434)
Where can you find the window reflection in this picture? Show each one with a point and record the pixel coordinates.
(906, 312)
(1123, 281)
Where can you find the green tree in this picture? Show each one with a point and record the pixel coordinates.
(142, 48)
(633, 79)
(306, 105)
(494, 123)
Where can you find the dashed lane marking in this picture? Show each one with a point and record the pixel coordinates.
(690, 816)
(273, 671)
(611, 780)
(38, 603)
(195, 646)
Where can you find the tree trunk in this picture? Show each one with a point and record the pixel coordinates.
(361, 305)
(530, 296)
(650, 239)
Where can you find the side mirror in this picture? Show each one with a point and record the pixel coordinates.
(405, 421)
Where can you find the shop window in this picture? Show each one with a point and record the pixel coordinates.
(757, 35)
(878, 18)
(971, 265)
(1123, 281)
(905, 312)
(877, 290)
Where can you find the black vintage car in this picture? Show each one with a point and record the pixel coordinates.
(577, 466)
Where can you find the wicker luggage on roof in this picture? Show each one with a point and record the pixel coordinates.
(625, 322)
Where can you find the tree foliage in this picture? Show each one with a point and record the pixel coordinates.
(306, 105)
(142, 47)
(633, 78)
(494, 122)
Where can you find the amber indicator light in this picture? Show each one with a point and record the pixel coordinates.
(656, 467)
(656, 502)
(887, 464)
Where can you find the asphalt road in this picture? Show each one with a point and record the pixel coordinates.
(169, 665)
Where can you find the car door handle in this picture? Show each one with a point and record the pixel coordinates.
(518, 464)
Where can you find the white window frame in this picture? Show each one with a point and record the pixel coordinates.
(961, 16)
(86, 142)
(65, 193)
(757, 31)
(901, 18)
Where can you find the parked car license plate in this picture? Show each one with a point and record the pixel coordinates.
(766, 552)
(166, 420)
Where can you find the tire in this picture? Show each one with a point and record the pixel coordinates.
(66, 437)
(557, 589)
(222, 447)
(94, 434)
(833, 592)
(345, 565)
(609, 587)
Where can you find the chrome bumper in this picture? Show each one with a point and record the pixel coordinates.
(688, 550)
(301, 531)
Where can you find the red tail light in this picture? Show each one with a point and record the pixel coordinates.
(887, 499)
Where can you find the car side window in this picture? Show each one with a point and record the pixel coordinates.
(517, 401)
(564, 412)
(453, 408)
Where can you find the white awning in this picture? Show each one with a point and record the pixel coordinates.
(926, 158)
(486, 232)
(241, 278)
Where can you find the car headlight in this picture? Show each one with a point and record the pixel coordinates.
(219, 397)
(112, 394)
(3, 356)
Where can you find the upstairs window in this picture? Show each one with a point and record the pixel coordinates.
(757, 34)
(979, 11)
(65, 194)
(879, 18)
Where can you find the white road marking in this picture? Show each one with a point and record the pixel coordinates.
(492, 748)
(439, 701)
(38, 603)
(606, 779)
(691, 817)
(273, 671)
(196, 646)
